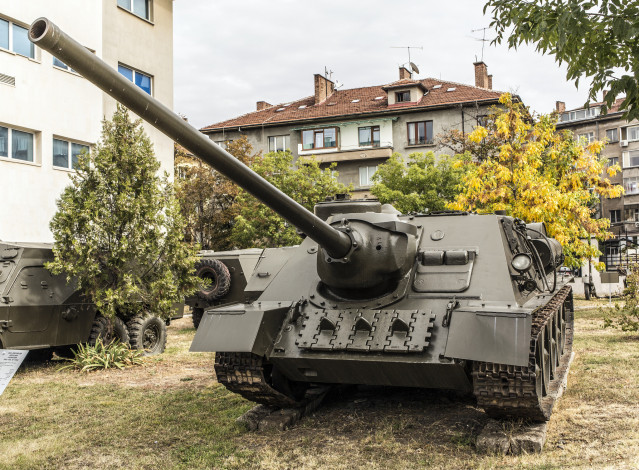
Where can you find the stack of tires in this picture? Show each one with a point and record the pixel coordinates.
(146, 333)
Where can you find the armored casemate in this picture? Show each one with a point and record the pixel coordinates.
(445, 300)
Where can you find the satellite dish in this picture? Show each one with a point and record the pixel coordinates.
(414, 67)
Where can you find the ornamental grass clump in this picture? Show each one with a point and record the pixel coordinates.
(103, 356)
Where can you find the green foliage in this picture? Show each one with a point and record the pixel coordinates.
(307, 183)
(626, 316)
(595, 38)
(422, 183)
(103, 356)
(207, 199)
(118, 230)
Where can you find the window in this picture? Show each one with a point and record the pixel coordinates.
(366, 175)
(402, 96)
(140, 79)
(16, 144)
(16, 38)
(612, 135)
(223, 143)
(420, 132)
(278, 143)
(369, 136)
(612, 161)
(615, 216)
(61, 65)
(61, 151)
(319, 138)
(633, 133)
(631, 214)
(631, 158)
(580, 114)
(589, 137)
(631, 185)
(141, 8)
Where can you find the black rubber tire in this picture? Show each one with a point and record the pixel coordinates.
(101, 329)
(587, 291)
(218, 274)
(148, 334)
(197, 316)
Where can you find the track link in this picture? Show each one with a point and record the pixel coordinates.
(246, 375)
(507, 391)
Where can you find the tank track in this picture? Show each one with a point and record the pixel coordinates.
(507, 391)
(245, 374)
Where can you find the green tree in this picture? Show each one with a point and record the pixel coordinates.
(540, 175)
(422, 183)
(207, 199)
(595, 38)
(118, 230)
(307, 183)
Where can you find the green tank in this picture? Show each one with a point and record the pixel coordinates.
(41, 311)
(447, 300)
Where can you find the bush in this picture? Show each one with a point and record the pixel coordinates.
(103, 356)
(626, 316)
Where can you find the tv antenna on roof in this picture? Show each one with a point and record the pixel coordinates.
(412, 65)
(482, 39)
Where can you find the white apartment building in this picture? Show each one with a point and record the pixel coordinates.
(49, 113)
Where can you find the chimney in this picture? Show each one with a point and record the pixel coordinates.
(560, 107)
(490, 82)
(263, 105)
(404, 73)
(481, 75)
(323, 88)
(605, 92)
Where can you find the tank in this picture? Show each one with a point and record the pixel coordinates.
(448, 300)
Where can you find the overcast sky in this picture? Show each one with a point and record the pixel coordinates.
(229, 55)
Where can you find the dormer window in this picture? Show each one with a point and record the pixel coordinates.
(402, 96)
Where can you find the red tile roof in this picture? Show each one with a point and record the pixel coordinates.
(341, 103)
(613, 109)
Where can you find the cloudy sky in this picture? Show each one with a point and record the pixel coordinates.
(229, 55)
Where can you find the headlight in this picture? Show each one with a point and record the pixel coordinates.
(521, 262)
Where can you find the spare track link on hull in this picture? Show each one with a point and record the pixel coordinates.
(244, 374)
(507, 391)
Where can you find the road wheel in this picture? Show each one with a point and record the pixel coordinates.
(197, 316)
(147, 333)
(587, 291)
(218, 274)
(108, 330)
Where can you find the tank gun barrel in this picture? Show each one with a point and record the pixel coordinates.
(49, 37)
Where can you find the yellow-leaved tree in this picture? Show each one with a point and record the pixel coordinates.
(539, 174)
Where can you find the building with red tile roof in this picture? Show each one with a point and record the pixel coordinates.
(360, 128)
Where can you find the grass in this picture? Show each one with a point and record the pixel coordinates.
(170, 413)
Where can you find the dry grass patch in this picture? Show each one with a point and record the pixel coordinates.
(170, 414)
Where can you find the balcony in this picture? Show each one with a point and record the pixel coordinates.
(342, 155)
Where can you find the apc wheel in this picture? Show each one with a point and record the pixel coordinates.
(197, 316)
(587, 292)
(108, 330)
(148, 334)
(218, 274)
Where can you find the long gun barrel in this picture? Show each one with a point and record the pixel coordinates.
(49, 37)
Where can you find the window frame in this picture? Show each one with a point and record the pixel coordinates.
(317, 132)
(589, 136)
(617, 214)
(371, 136)
(11, 39)
(400, 95)
(616, 132)
(149, 9)
(134, 73)
(70, 143)
(10, 150)
(286, 142)
(369, 175)
(427, 141)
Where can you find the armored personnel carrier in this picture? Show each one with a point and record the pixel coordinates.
(40, 310)
(446, 300)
